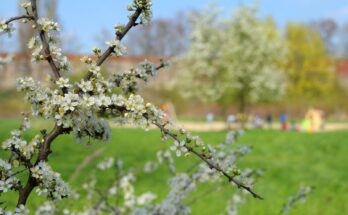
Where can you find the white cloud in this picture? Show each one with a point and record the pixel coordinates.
(339, 13)
(344, 11)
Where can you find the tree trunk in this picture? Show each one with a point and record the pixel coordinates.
(25, 191)
(242, 109)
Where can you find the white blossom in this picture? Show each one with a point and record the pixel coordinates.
(50, 182)
(5, 60)
(63, 82)
(119, 49)
(46, 208)
(5, 185)
(93, 68)
(25, 5)
(63, 63)
(21, 210)
(55, 50)
(47, 24)
(150, 167)
(113, 42)
(135, 103)
(85, 86)
(103, 101)
(89, 100)
(112, 191)
(179, 147)
(118, 100)
(6, 28)
(146, 198)
(37, 55)
(70, 101)
(106, 164)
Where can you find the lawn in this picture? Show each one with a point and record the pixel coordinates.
(289, 160)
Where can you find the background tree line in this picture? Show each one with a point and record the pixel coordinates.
(304, 56)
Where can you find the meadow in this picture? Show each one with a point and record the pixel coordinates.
(289, 160)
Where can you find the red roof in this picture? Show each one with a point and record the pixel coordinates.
(342, 67)
(76, 57)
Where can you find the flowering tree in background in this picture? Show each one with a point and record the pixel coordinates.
(236, 60)
(82, 109)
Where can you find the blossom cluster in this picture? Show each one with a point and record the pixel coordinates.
(5, 60)
(22, 152)
(7, 180)
(78, 110)
(300, 197)
(47, 25)
(50, 182)
(26, 5)
(226, 157)
(118, 48)
(181, 185)
(20, 210)
(145, 6)
(24, 148)
(106, 164)
(38, 54)
(179, 147)
(6, 28)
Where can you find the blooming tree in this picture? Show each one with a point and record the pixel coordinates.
(234, 60)
(82, 109)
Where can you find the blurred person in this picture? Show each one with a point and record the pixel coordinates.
(210, 118)
(258, 121)
(269, 120)
(284, 121)
(231, 119)
(313, 121)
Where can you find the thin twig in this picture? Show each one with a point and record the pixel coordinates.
(207, 161)
(45, 44)
(119, 36)
(85, 163)
(19, 18)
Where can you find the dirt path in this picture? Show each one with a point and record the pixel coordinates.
(220, 126)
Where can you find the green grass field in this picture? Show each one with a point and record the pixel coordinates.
(289, 160)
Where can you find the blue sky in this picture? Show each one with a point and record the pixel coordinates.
(85, 18)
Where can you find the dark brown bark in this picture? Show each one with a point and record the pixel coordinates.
(25, 191)
(45, 148)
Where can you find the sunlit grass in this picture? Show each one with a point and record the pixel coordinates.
(289, 160)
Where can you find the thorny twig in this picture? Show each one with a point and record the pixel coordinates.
(207, 161)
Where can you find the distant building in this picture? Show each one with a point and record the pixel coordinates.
(342, 73)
